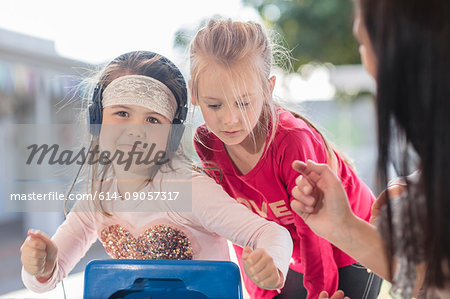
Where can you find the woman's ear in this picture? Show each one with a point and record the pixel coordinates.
(194, 99)
(272, 81)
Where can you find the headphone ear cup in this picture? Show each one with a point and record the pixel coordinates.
(95, 120)
(183, 114)
(177, 130)
(176, 133)
(95, 113)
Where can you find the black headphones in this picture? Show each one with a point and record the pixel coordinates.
(95, 109)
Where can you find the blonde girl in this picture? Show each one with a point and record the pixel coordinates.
(251, 142)
(140, 98)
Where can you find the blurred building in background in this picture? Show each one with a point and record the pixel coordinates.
(35, 83)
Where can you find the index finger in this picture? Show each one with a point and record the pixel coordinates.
(34, 243)
(255, 255)
(299, 166)
(36, 234)
(305, 169)
(319, 173)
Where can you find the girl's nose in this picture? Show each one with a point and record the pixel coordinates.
(137, 131)
(230, 117)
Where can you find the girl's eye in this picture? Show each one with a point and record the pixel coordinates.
(153, 120)
(214, 106)
(243, 104)
(122, 114)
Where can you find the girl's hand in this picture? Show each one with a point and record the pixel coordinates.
(320, 199)
(338, 295)
(260, 268)
(39, 254)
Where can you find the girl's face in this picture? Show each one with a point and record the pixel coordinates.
(366, 51)
(123, 126)
(231, 101)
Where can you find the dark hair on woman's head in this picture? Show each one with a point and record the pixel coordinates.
(411, 42)
(148, 64)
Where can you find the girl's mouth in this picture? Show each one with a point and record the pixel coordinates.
(231, 133)
(130, 147)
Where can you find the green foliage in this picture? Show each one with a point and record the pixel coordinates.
(314, 30)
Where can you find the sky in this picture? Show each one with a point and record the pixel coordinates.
(97, 30)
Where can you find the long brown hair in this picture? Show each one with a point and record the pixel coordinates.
(411, 42)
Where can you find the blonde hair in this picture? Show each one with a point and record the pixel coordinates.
(229, 43)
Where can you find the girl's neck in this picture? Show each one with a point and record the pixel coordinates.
(129, 182)
(129, 186)
(247, 154)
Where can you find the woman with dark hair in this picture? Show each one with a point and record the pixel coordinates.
(405, 46)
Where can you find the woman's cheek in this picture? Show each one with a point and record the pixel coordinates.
(367, 60)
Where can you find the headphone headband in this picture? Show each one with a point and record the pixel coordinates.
(95, 109)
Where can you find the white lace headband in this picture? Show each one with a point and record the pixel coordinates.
(142, 91)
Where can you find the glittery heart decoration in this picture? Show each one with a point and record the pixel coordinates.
(159, 242)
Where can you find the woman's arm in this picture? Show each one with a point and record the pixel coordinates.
(323, 204)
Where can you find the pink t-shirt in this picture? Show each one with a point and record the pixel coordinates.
(266, 190)
(214, 218)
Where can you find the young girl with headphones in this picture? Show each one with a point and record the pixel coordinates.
(160, 210)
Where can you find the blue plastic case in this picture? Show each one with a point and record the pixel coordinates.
(162, 279)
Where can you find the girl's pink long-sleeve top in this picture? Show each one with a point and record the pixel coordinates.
(213, 218)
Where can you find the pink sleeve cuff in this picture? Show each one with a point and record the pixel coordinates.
(34, 285)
